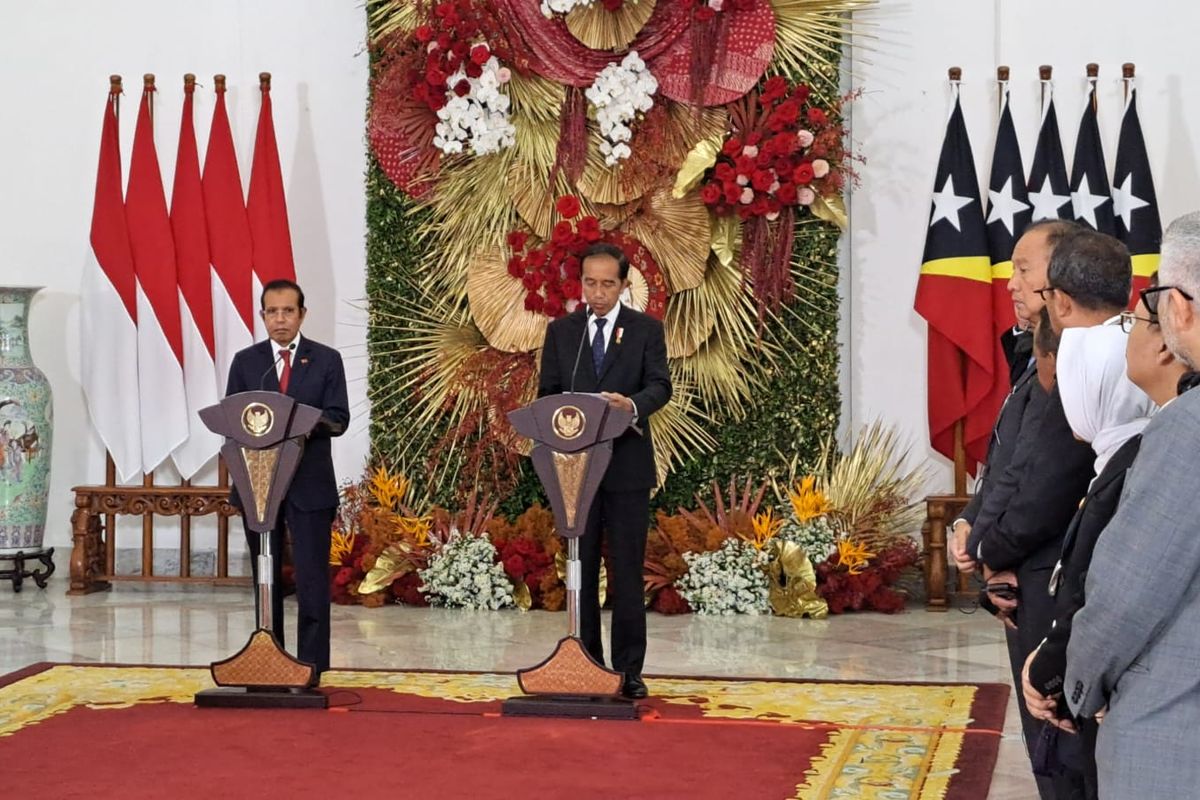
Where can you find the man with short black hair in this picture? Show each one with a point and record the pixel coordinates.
(1088, 281)
(624, 358)
(312, 374)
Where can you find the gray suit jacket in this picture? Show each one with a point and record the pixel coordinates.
(1135, 645)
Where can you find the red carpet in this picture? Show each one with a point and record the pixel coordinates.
(92, 732)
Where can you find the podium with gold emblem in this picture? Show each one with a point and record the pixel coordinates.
(264, 439)
(573, 437)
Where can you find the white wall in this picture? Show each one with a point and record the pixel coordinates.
(57, 62)
(899, 122)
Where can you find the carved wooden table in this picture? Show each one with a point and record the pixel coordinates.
(93, 557)
(940, 512)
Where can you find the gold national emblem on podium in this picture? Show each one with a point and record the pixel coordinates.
(568, 422)
(258, 419)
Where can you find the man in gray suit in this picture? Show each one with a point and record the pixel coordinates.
(1135, 645)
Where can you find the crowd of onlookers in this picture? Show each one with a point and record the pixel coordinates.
(1084, 524)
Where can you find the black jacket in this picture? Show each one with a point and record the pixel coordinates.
(1050, 470)
(317, 379)
(1048, 670)
(635, 365)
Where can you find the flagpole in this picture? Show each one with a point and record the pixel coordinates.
(960, 450)
(1002, 83)
(1045, 72)
(1093, 76)
(110, 466)
(1127, 79)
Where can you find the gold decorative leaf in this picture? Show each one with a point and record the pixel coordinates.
(831, 209)
(697, 162)
(389, 565)
(679, 430)
(385, 17)
(726, 238)
(497, 302)
(722, 375)
(676, 232)
(522, 596)
(809, 32)
(601, 29)
(793, 582)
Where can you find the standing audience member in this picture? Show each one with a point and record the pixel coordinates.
(1135, 645)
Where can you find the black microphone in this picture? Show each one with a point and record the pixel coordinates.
(263, 380)
(579, 351)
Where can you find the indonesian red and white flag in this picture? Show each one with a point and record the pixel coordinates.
(201, 382)
(229, 245)
(108, 312)
(267, 208)
(160, 337)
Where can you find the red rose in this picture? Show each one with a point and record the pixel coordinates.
(460, 49)
(784, 143)
(762, 180)
(803, 173)
(800, 93)
(534, 302)
(444, 9)
(705, 13)
(732, 148)
(710, 194)
(612, 5)
(725, 172)
(589, 229)
(571, 267)
(424, 33)
(517, 239)
(733, 193)
(480, 54)
(817, 117)
(554, 306)
(444, 41)
(563, 234)
(567, 206)
(784, 116)
(746, 165)
(760, 207)
(753, 139)
(786, 193)
(516, 267)
(473, 70)
(462, 88)
(774, 89)
(437, 101)
(531, 280)
(435, 77)
(571, 289)
(536, 258)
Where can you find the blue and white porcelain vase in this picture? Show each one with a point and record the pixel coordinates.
(26, 420)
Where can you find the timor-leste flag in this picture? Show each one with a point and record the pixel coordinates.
(954, 295)
(1090, 198)
(1135, 204)
(1008, 213)
(1049, 188)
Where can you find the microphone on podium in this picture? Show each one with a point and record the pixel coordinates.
(263, 380)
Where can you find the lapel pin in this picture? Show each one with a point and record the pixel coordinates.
(620, 333)
(304, 361)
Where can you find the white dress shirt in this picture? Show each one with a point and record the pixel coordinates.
(277, 348)
(609, 326)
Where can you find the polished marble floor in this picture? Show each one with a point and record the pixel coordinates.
(161, 624)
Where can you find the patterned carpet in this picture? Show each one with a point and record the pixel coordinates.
(439, 734)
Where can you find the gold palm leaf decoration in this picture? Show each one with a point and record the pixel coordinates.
(723, 375)
(871, 489)
(534, 99)
(469, 215)
(676, 232)
(601, 29)
(687, 324)
(428, 346)
(722, 303)
(811, 32)
(812, 277)
(534, 204)
(497, 302)
(680, 429)
(385, 17)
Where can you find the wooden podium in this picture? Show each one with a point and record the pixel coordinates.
(265, 434)
(573, 438)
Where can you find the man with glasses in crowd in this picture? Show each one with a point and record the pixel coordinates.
(1135, 644)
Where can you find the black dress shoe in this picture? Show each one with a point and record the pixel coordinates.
(634, 687)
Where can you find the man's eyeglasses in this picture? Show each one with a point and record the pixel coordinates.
(1042, 292)
(1128, 318)
(1151, 294)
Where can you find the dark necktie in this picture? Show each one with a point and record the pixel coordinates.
(598, 345)
(286, 374)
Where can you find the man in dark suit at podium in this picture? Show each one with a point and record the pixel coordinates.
(609, 348)
(312, 374)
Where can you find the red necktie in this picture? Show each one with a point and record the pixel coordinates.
(287, 370)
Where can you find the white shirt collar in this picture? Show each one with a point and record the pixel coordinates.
(611, 317)
(293, 345)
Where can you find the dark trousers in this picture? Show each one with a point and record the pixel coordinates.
(620, 519)
(1035, 615)
(310, 536)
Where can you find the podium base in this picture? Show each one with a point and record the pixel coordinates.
(241, 697)
(569, 707)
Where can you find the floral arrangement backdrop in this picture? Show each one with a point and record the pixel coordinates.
(704, 137)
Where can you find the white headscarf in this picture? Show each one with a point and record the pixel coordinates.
(1103, 407)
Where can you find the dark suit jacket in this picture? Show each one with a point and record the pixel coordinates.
(635, 366)
(1018, 349)
(1051, 470)
(319, 380)
(1048, 671)
(991, 492)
